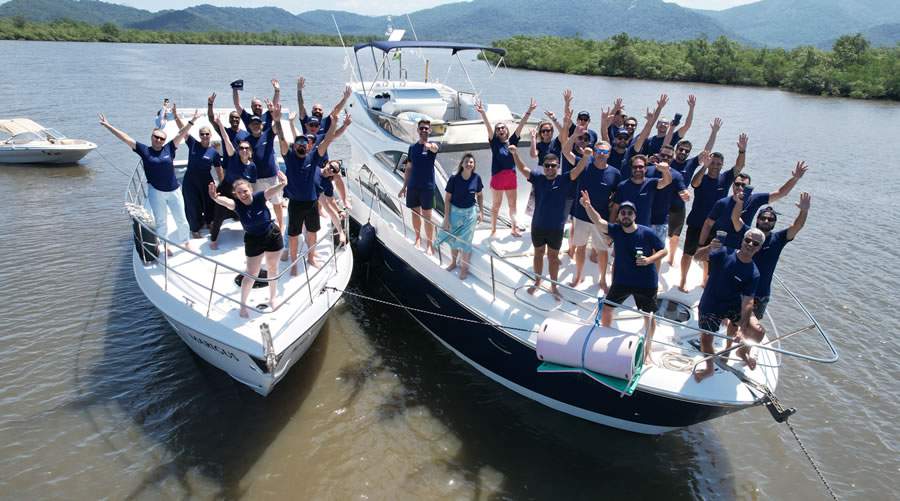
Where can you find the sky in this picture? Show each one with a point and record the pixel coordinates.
(365, 7)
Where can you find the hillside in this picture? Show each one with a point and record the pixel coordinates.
(88, 11)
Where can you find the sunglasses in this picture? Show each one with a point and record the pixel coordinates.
(766, 218)
(313, 125)
(551, 166)
(424, 128)
(204, 133)
(234, 119)
(546, 131)
(243, 147)
(630, 126)
(684, 150)
(751, 242)
(626, 212)
(740, 185)
(160, 138)
(603, 152)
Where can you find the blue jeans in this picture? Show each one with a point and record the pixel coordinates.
(158, 201)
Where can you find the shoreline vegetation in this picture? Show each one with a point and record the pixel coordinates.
(65, 30)
(853, 68)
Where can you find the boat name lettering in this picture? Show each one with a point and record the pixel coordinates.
(216, 348)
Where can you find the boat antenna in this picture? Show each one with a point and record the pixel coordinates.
(347, 64)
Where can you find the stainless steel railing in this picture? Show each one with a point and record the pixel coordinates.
(136, 194)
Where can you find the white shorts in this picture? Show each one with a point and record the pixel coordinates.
(584, 230)
(264, 183)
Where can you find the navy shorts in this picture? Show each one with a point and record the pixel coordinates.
(270, 241)
(551, 238)
(303, 213)
(644, 298)
(692, 240)
(711, 321)
(420, 197)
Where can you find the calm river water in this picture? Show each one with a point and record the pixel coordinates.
(100, 399)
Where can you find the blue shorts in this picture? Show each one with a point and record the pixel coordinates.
(420, 197)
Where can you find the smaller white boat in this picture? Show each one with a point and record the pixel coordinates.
(28, 142)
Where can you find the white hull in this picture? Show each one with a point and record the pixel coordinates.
(44, 155)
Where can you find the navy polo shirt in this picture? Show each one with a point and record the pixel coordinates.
(664, 197)
(462, 191)
(626, 272)
(600, 185)
(641, 195)
(255, 218)
(544, 148)
(767, 258)
(159, 166)
(236, 136)
(200, 159)
(266, 119)
(549, 201)
(705, 196)
(421, 177)
(303, 175)
(721, 215)
(729, 279)
(501, 158)
(653, 144)
(264, 152)
(235, 170)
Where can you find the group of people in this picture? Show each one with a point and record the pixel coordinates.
(632, 188)
(247, 178)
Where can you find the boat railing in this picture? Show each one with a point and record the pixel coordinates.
(136, 195)
(496, 262)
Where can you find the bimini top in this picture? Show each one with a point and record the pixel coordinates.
(387, 46)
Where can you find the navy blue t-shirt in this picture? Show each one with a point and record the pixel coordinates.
(600, 185)
(653, 144)
(266, 119)
(422, 175)
(255, 218)
(721, 215)
(303, 175)
(641, 195)
(729, 279)
(201, 160)
(159, 166)
(501, 159)
(462, 191)
(705, 196)
(766, 260)
(625, 168)
(544, 148)
(626, 272)
(236, 136)
(264, 152)
(324, 124)
(687, 169)
(235, 170)
(325, 186)
(616, 159)
(549, 201)
(662, 201)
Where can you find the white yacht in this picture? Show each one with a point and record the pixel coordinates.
(551, 352)
(198, 292)
(28, 142)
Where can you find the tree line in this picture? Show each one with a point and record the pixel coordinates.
(65, 30)
(852, 68)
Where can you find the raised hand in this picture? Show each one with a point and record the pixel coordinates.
(218, 119)
(479, 106)
(648, 115)
(301, 83)
(663, 166)
(692, 101)
(567, 96)
(275, 84)
(292, 116)
(587, 152)
(275, 110)
(805, 200)
(534, 133)
(663, 100)
(174, 109)
(703, 158)
(532, 106)
(550, 115)
(196, 115)
(619, 104)
(743, 139)
(269, 105)
(800, 169)
(347, 92)
(103, 121)
(212, 190)
(348, 120)
(513, 150)
(211, 99)
(579, 131)
(716, 124)
(585, 199)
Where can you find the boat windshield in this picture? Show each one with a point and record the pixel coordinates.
(53, 133)
(25, 138)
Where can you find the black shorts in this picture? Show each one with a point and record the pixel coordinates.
(712, 321)
(271, 241)
(303, 213)
(644, 298)
(692, 240)
(550, 238)
(676, 220)
(416, 197)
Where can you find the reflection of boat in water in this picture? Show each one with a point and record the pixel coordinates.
(199, 294)
(551, 352)
(29, 142)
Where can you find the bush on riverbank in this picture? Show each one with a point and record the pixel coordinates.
(852, 68)
(65, 30)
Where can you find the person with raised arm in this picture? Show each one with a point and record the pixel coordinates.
(653, 144)
(637, 143)
(719, 218)
(202, 158)
(641, 189)
(303, 160)
(600, 181)
(256, 105)
(664, 198)
(463, 190)
(238, 160)
(550, 191)
(158, 161)
(262, 142)
(728, 294)
(686, 166)
(503, 167)
(234, 131)
(418, 184)
(635, 275)
(710, 184)
(315, 122)
(262, 238)
(329, 180)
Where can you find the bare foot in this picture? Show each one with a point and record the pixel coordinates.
(294, 270)
(169, 252)
(682, 288)
(516, 233)
(312, 262)
(702, 374)
(429, 250)
(493, 231)
(244, 312)
(418, 243)
(213, 245)
(575, 281)
(284, 255)
(463, 273)
(451, 266)
(555, 292)
(744, 353)
(532, 289)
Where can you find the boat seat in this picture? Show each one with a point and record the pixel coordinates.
(425, 101)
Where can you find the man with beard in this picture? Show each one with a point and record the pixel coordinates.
(234, 131)
(623, 147)
(710, 184)
(315, 122)
(262, 142)
(256, 105)
(728, 295)
(303, 162)
(640, 189)
(637, 251)
(549, 220)
(686, 166)
(653, 144)
(418, 184)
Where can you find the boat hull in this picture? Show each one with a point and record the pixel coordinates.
(20, 155)
(514, 364)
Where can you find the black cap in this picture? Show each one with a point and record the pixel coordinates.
(237, 84)
(583, 114)
(768, 209)
(313, 121)
(627, 204)
(622, 131)
(255, 118)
